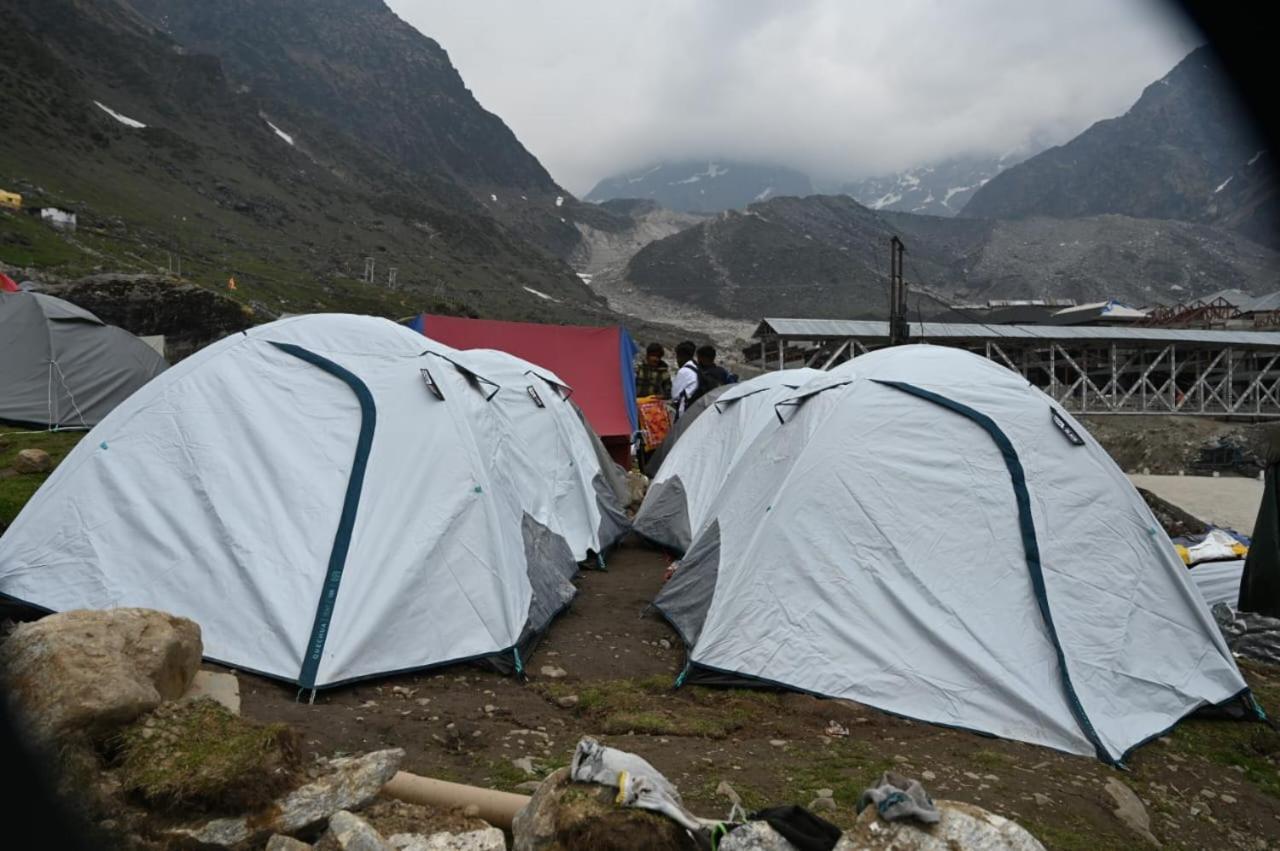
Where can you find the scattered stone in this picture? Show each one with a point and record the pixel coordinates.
(528, 787)
(778, 743)
(900, 759)
(488, 839)
(1042, 800)
(32, 461)
(1227, 799)
(280, 842)
(637, 486)
(724, 790)
(755, 836)
(489, 709)
(962, 826)
(664, 644)
(569, 701)
(224, 688)
(563, 814)
(351, 783)
(402, 823)
(825, 793)
(928, 775)
(1130, 810)
(1208, 793)
(972, 776)
(553, 671)
(822, 804)
(349, 832)
(93, 671)
(838, 730)
(993, 778)
(525, 764)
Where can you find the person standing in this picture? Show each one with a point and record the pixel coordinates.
(710, 373)
(684, 387)
(653, 378)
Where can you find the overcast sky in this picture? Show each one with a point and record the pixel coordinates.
(840, 89)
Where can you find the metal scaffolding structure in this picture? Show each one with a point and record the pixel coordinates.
(1093, 370)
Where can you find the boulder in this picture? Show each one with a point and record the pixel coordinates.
(1130, 810)
(349, 832)
(961, 826)
(93, 671)
(280, 842)
(755, 836)
(32, 461)
(567, 816)
(349, 784)
(188, 316)
(488, 839)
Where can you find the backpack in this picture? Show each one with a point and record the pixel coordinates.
(708, 380)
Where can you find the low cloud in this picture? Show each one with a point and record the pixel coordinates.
(840, 89)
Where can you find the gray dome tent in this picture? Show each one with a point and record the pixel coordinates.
(61, 366)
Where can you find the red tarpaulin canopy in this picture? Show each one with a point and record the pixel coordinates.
(8, 285)
(596, 362)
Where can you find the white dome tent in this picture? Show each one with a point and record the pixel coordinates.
(330, 497)
(63, 367)
(534, 405)
(924, 532)
(685, 486)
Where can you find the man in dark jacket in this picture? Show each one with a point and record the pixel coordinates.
(711, 373)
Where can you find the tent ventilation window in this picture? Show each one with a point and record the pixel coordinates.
(562, 392)
(431, 384)
(476, 380)
(533, 394)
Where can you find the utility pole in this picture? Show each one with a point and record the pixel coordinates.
(367, 277)
(391, 277)
(899, 330)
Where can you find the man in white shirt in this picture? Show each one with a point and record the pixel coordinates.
(685, 383)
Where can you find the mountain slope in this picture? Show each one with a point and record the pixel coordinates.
(934, 190)
(1171, 156)
(230, 184)
(356, 66)
(827, 256)
(699, 186)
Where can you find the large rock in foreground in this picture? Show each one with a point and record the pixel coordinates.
(93, 671)
(349, 784)
(962, 826)
(567, 816)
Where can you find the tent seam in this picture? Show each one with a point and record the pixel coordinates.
(1030, 544)
(350, 504)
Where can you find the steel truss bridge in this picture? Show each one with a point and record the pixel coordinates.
(1088, 370)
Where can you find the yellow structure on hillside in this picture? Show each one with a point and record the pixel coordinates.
(12, 200)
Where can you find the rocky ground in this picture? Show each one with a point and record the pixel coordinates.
(1191, 445)
(606, 669)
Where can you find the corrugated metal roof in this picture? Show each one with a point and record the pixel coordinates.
(1244, 301)
(815, 329)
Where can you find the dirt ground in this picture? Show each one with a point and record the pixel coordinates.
(1210, 784)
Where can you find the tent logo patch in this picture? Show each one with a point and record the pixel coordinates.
(1065, 427)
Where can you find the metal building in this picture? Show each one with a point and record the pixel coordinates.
(1094, 370)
